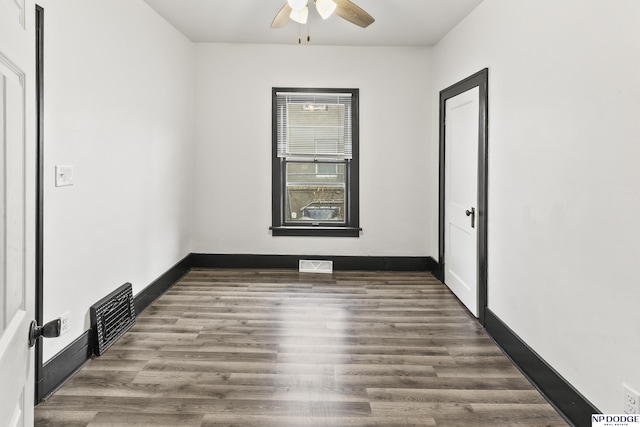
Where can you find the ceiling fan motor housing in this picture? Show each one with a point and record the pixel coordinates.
(297, 5)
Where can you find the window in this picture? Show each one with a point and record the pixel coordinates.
(315, 162)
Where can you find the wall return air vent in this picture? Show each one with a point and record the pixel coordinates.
(315, 266)
(111, 317)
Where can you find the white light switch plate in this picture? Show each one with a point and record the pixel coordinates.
(64, 176)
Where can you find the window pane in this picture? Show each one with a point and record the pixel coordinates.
(316, 130)
(314, 126)
(315, 192)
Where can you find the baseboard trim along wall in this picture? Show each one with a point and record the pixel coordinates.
(344, 263)
(567, 400)
(159, 286)
(63, 365)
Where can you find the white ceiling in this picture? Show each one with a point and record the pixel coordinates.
(398, 22)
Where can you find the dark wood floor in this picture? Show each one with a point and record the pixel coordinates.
(277, 348)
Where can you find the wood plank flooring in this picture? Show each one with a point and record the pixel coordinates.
(279, 348)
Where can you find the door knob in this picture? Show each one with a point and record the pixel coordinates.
(472, 214)
(48, 330)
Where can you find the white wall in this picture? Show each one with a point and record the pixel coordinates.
(232, 211)
(564, 145)
(118, 107)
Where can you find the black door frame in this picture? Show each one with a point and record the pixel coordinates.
(39, 244)
(481, 81)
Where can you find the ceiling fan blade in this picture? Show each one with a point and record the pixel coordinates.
(282, 17)
(353, 13)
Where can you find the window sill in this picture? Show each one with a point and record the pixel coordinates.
(316, 231)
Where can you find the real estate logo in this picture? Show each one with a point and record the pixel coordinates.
(623, 420)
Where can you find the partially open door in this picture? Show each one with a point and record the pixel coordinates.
(17, 202)
(461, 196)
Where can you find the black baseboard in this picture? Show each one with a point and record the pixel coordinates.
(63, 365)
(432, 265)
(340, 263)
(567, 400)
(159, 286)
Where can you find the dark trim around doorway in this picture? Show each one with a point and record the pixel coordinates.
(39, 243)
(480, 80)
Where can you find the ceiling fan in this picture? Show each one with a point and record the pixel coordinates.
(298, 11)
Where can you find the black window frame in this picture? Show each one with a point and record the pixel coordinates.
(351, 225)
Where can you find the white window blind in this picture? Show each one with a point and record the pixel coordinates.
(314, 125)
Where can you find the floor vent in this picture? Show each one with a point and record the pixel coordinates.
(315, 266)
(111, 317)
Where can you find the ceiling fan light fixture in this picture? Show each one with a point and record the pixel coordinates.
(300, 16)
(298, 11)
(326, 8)
(297, 5)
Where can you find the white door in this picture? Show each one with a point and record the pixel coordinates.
(461, 196)
(17, 200)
